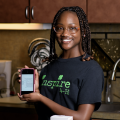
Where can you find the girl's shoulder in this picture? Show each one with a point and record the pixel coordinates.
(92, 65)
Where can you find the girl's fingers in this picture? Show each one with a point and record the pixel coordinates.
(20, 96)
(26, 66)
(19, 80)
(36, 72)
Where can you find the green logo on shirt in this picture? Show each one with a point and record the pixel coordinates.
(58, 83)
(43, 77)
(60, 77)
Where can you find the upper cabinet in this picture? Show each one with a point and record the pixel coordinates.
(43, 11)
(34, 11)
(14, 11)
(103, 11)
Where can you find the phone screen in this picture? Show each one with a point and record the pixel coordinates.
(27, 81)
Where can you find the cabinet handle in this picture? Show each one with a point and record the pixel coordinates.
(26, 12)
(32, 12)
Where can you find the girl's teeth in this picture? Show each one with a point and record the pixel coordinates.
(66, 40)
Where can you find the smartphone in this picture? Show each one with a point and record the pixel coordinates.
(27, 81)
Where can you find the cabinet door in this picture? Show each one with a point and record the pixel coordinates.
(103, 11)
(13, 11)
(44, 10)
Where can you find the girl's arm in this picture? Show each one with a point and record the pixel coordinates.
(84, 111)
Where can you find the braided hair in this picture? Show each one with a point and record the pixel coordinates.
(85, 31)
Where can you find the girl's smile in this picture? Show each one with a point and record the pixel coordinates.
(66, 40)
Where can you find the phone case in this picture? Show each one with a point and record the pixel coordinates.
(33, 79)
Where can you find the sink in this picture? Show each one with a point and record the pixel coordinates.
(114, 107)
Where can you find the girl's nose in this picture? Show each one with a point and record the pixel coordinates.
(65, 32)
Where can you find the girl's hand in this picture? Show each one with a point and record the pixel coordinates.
(32, 97)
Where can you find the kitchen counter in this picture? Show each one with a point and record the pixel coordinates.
(106, 115)
(14, 101)
(14, 108)
(108, 111)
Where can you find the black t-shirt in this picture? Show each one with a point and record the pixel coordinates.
(70, 82)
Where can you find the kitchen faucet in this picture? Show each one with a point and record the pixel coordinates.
(109, 92)
(114, 69)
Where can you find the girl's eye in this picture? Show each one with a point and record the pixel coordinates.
(72, 28)
(58, 28)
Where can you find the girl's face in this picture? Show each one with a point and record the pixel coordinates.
(70, 35)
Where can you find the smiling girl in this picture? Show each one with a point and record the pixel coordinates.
(72, 83)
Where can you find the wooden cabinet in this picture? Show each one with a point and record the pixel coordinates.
(38, 11)
(13, 11)
(103, 11)
(45, 10)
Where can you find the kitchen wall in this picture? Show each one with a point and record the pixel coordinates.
(14, 46)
